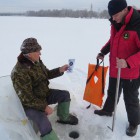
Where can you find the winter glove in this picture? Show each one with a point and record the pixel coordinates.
(100, 56)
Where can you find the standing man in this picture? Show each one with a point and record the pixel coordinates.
(30, 79)
(124, 49)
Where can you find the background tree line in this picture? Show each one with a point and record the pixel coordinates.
(69, 13)
(62, 13)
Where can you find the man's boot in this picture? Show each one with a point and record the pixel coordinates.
(63, 114)
(131, 130)
(102, 113)
(51, 136)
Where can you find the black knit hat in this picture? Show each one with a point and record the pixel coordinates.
(116, 6)
(30, 45)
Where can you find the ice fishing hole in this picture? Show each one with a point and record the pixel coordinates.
(74, 134)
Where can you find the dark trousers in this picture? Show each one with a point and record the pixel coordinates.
(130, 93)
(40, 118)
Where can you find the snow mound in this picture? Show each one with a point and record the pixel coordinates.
(14, 124)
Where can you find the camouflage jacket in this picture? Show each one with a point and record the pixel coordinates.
(30, 81)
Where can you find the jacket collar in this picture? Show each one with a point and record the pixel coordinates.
(24, 60)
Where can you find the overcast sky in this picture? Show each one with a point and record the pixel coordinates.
(24, 5)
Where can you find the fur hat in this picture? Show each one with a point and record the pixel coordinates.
(30, 45)
(116, 6)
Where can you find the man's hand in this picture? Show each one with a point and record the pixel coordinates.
(48, 110)
(63, 68)
(121, 63)
(100, 56)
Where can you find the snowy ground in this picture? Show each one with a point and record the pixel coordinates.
(62, 39)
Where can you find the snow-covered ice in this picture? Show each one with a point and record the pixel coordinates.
(61, 39)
